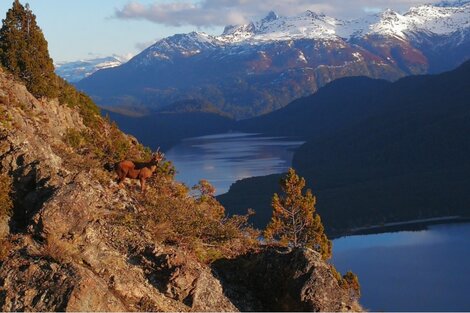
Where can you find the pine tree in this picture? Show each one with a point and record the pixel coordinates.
(24, 51)
(295, 221)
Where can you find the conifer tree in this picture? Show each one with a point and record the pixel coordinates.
(294, 221)
(24, 51)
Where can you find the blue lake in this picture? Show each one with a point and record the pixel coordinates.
(223, 159)
(427, 270)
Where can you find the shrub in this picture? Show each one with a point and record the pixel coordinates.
(73, 98)
(350, 281)
(74, 138)
(6, 204)
(195, 222)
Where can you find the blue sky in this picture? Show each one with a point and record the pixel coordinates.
(84, 29)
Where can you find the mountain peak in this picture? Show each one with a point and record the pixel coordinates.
(454, 3)
(447, 18)
(272, 16)
(389, 14)
(313, 14)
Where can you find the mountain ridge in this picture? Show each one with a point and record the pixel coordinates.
(259, 67)
(75, 71)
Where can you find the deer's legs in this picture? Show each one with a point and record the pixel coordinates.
(121, 177)
(142, 185)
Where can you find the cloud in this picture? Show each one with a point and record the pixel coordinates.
(140, 46)
(209, 13)
(124, 57)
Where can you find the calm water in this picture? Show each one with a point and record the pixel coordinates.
(427, 270)
(410, 271)
(223, 159)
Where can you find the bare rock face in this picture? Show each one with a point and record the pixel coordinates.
(35, 285)
(71, 249)
(273, 280)
(31, 134)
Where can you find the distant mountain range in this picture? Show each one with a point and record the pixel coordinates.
(256, 68)
(376, 151)
(77, 70)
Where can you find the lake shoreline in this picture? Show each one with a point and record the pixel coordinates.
(410, 271)
(411, 225)
(224, 158)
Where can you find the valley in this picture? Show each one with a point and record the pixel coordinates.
(367, 156)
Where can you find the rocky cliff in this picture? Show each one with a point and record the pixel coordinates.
(74, 241)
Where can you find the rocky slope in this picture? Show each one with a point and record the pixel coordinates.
(256, 68)
(73, 243)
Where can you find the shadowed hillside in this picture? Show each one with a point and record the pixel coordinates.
(167, 126)
(403, 155)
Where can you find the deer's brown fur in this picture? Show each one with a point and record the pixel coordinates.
(138, 170)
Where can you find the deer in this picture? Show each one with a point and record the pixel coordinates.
(138, 170)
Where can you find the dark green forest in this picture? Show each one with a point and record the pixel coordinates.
(167, 126)
(376, 152)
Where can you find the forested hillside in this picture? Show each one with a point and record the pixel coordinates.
(402, 155)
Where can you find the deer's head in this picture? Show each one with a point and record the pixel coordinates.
(157, 157)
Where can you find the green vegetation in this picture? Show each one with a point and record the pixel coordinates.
(24, 52)
(348, 281)
(295, 221)
(375, 152)
(193, 221)
(75, 99)
(191, 106)
(351, 282)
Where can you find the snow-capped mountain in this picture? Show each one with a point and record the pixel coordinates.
(77, 70)
(438, 19)
(182, 45)
(254, 68)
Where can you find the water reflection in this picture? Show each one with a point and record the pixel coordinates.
(223, 159)
(410, 271)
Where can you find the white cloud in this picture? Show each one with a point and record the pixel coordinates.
(124, 57)
(140, 46)
(209, 13)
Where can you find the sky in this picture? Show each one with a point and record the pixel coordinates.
(86, 29)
